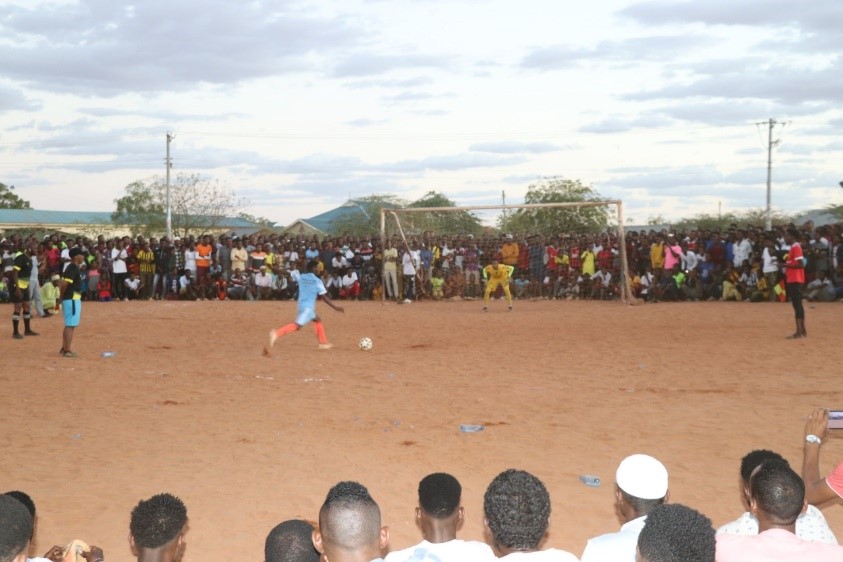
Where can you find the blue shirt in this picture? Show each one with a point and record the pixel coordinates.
(310, 288)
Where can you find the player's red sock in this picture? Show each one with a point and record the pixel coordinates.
(284, 330)
(320, 332)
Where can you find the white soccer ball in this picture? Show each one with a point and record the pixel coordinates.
(365, 344)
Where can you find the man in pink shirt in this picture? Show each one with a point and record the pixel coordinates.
(777, 497)
(819, 490)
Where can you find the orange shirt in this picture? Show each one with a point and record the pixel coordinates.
(204, 253)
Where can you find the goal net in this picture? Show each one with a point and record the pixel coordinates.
(570, 251)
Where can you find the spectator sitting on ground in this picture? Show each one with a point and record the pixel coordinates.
(810, 525)
(676, 533)
(55, 554)
(350, 285)
(777, 497)
(817, 489)
(439, 515)
(290, 541)
(263, 284)
(641, 486)
(15, 530)
(134, 286)
(50, 295)
(350, 526)
(820, 289)
(187, 288)
(238, 285)
(157, 528)
(517, 510)
(437, 285)
(104, 289)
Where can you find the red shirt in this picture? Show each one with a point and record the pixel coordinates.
(794, 256)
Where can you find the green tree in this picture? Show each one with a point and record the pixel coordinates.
(555, 220)
(10, 200)
(140, 210)
(751, 217)
(197, 205)
(442, 222)
(262, 222)
(364, 216)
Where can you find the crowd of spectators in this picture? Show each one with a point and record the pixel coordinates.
(776, 525)
(741, 264)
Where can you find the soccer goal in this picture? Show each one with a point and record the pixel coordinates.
(428, 232)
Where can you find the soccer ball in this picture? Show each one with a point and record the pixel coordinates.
(365, 344)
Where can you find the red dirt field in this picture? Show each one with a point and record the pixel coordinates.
(188, 405)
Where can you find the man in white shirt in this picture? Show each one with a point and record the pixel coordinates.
(408, 263)
(350, 526)
(263, 284)
(810, 525)
(517, 509)
(350, 285)
(642, 486)
(439, 515)
(742, 249)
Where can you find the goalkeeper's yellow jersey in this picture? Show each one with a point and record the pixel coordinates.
(498, 273)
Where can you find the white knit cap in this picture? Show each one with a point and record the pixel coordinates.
(642, 476)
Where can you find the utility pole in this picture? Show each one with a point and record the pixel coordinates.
(768, 219)
(169, 164)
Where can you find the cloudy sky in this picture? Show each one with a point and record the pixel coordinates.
(298, 105)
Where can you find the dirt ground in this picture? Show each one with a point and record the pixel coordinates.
(188, 405)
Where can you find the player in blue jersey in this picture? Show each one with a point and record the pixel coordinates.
(311, 288)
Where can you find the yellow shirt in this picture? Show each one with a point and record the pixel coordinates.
(657, 256)
(587, 262)
(498, 273)
(509, 253)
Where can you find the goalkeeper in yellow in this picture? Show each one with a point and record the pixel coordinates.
(496, 274)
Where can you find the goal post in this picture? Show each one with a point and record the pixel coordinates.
(416, 229)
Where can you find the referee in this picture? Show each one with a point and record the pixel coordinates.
(70, 287)
(19, 289)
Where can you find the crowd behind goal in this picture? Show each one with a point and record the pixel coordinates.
(665, 265)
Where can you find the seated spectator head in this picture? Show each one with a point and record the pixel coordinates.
(641, 486)
(350, 525)
(157, 527)
(777, 495)
(27, 502)
(439, 514)
(290, 541)
(676, 533)
(752, 461)
(15, 529)
(517, 511)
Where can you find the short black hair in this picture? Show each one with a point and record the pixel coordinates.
(641, 506)
(349, 518)
(778, 491)
(439, 495)
(290, 541)
(24, 498)
(677, 533)
(15, 528)
(517, 508)
(158, 520)
(312, 265)
(756, 458)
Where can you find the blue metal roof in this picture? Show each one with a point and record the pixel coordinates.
(325, 221)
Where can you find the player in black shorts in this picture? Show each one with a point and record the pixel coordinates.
(19, 289)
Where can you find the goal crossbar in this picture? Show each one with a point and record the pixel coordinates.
(625, 292)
